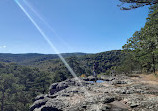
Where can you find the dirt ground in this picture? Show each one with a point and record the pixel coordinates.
(151, 79)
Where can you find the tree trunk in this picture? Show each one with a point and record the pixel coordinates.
(43, 88)
(2, 101)
(153, 61)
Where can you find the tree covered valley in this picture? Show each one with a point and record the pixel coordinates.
(25, 76)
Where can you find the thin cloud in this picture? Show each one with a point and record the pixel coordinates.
(2, 47)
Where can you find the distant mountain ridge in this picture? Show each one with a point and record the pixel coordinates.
(29, 58)
(27, 75)
(81, 63)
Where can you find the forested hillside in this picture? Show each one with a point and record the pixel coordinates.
(83, 64)
(142, 48)
(19, 84)
(28, 59)
(24, 76)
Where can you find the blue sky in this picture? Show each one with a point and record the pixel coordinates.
(89, 26)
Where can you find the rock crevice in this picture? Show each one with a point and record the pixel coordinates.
(120, 93)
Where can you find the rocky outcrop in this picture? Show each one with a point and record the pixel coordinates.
(120, 93)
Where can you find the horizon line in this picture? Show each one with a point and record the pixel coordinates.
(60, 53)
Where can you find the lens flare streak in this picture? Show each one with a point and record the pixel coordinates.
(43, 20)
(50, 43)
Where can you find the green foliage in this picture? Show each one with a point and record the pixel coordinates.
(8, 89)
(142, 48)
(19, 85)
(83, 64)
(23, 83)
(133, 4)
(32, 58)
(27, 81)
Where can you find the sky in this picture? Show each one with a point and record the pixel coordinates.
(89, 26)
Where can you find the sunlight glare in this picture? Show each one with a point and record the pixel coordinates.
(50, 43)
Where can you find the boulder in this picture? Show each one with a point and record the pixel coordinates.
(79, 95)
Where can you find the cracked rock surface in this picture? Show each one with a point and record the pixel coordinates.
(119, 93)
